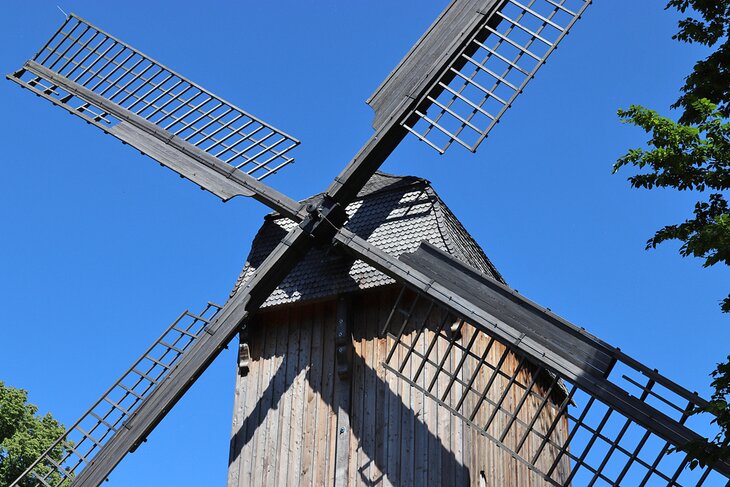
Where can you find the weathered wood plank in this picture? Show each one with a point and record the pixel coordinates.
(286, 404)
(312, 400)
(297, 429)
(389, 380)
(253, 381)
(367, 462)
(501, 421)
(359, 320)
(327, 422)
(433, 472)
(382, 305)
(281, 331)
(447, 466)
(263, 406)
(479, 460)
(420, 448)
(407, 422)
(457, 425)
(394, 422)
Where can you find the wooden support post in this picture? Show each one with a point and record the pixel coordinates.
(343, 391)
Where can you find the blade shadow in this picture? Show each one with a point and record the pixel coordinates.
(270, 398)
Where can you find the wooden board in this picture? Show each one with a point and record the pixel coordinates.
(372, 428)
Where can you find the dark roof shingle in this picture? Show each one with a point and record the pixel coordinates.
(394, 213)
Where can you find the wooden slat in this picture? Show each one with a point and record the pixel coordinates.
(383, 306)
(265, 399)
(281, 331)
(296, 438)
(368, 440)
(407, 425)
(286, 405)
(324, 468)
(444, 419)
(312, 383)
(432, 412)
(246, 419)
(357, 459)
(394, 424)
(457, 425)
(420, 402)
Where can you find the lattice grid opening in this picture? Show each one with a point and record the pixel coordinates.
(83, 440)
(483, 82)
(548, 424)
(93, 59)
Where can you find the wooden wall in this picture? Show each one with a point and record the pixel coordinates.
(296, 422)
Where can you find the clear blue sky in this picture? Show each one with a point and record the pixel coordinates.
(100, 247)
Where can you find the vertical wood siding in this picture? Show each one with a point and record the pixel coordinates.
(285, 415)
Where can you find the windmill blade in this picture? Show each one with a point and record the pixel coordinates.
(82, 441)
(477, 57)
(459, 78)
(143, 103)
(128, 412)
(606, 385)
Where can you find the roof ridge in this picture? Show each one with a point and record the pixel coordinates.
(440, 223)
(443, 210)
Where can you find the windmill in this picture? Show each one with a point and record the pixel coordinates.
(451, 89)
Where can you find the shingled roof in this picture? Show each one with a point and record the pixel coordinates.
(394, 213)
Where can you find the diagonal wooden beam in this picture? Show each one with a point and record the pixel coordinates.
(397, 98)
(542, 336)
(212, 341)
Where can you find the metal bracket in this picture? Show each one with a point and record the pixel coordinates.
(244, 354)
(326, 216)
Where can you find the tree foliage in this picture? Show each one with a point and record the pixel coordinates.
(693, 154)
(692, 157)
(710, 78)
(24, 436)
(708, 452)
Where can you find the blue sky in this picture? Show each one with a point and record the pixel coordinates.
(101, 248)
